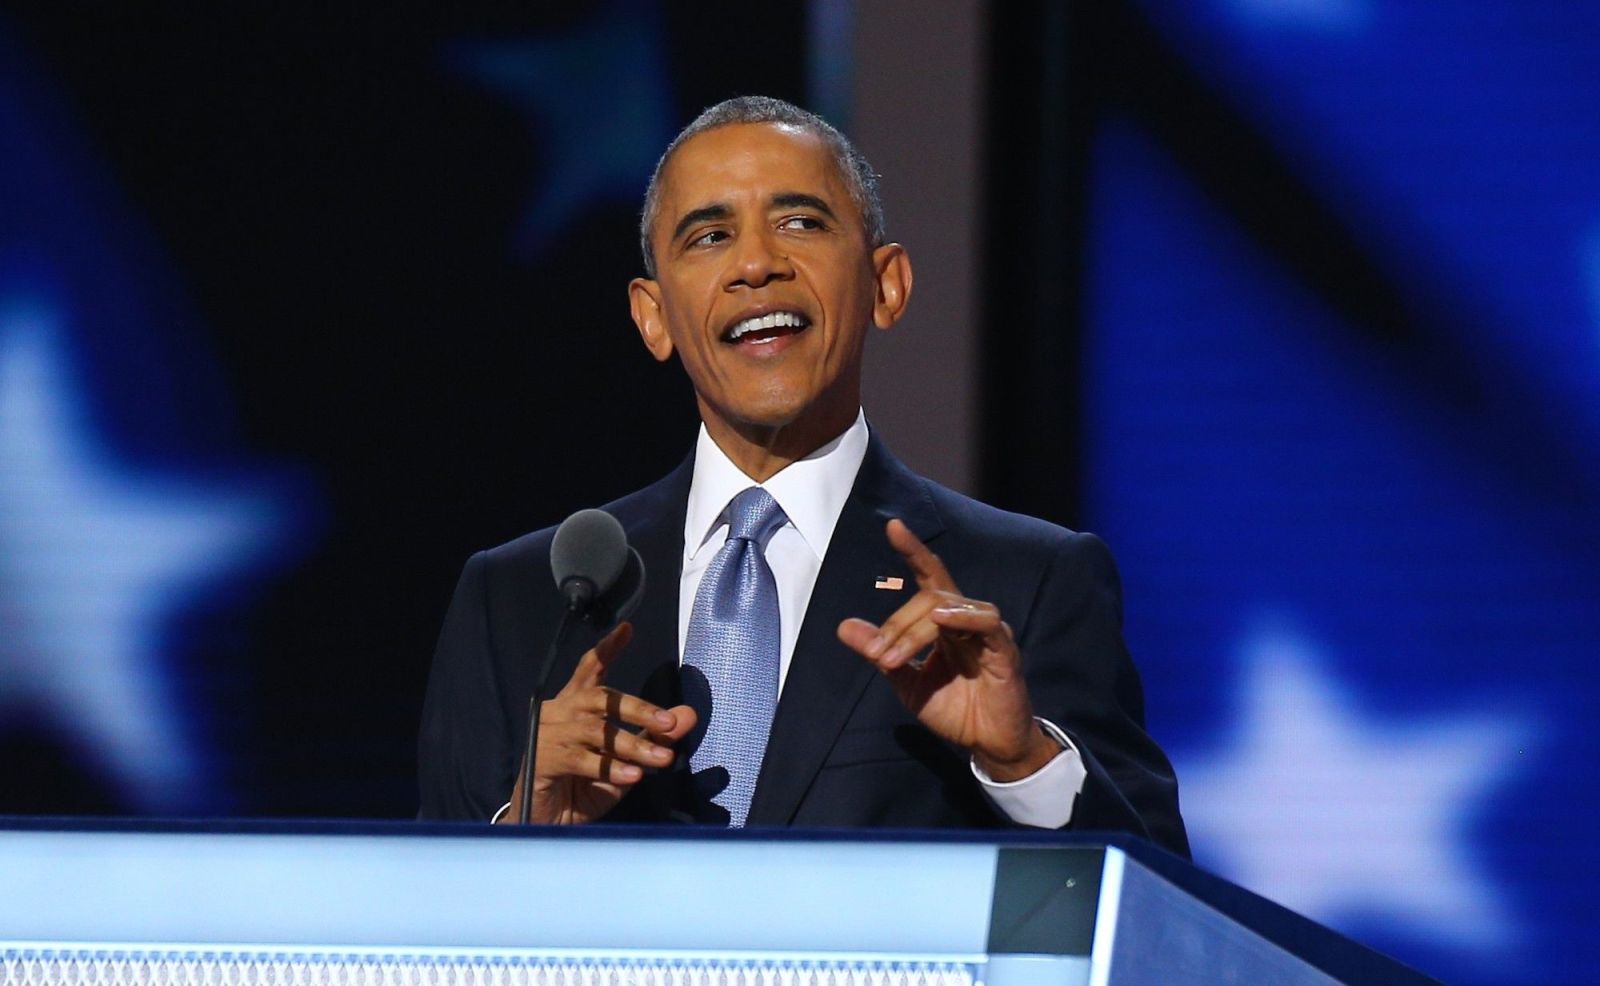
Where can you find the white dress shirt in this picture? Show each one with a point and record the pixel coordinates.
(812, 492)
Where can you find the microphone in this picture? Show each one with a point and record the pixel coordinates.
(602, 580)
(599, 575)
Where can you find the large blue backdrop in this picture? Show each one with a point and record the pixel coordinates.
(1355, 486)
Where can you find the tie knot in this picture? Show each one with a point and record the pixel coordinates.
(755, 516)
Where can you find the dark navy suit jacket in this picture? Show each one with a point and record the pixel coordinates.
(843, 751)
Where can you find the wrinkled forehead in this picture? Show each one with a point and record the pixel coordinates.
(744, 163)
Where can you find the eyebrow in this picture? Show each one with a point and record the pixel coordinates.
(800, 200)
(716, 210)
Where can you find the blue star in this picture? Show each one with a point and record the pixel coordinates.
(1337, 816)
(93, 560)
(598, 106)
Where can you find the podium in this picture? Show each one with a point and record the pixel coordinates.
(308, 903)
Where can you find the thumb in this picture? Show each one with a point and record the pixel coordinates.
(591, 669)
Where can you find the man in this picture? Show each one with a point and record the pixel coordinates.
(803, 656)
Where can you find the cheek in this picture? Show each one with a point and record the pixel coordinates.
(684, 329)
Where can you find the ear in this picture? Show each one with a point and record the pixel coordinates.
(893, 270)
(644, 302)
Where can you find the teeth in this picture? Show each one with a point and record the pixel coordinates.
(771, 321)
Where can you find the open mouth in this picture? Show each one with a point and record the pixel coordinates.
(760, 329)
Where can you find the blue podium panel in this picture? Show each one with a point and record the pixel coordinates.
(603, 907)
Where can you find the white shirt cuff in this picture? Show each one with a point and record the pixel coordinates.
(1045, 798)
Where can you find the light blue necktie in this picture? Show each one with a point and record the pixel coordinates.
(734, 642)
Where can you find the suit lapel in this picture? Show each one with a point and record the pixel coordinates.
(825, 677)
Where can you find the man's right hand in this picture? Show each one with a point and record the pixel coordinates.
(587, 760)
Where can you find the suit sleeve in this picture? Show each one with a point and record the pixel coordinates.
(465, 740)
(1081, 677)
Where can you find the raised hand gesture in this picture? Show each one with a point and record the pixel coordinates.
(955, 664)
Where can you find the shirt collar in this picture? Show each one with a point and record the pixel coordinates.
(811, 491)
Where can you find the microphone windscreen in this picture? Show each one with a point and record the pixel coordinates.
(592, 545)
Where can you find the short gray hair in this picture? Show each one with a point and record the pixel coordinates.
(858, 175)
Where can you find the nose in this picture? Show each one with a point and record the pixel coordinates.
(756, 261)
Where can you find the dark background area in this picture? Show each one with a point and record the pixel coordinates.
(342, 208)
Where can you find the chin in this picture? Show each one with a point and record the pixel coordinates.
(767, 419)
(769, 410)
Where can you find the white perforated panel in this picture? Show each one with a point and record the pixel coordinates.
(132, 967)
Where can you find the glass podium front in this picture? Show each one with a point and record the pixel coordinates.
(314, 903)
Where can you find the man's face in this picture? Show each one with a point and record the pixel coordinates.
(766, 282)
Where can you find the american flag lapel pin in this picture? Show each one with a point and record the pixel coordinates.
(889, 582)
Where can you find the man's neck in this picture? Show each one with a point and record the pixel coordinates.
(763, 452)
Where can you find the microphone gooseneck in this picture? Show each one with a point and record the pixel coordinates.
(602, 580)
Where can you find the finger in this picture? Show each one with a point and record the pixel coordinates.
(612, 644)
(974, 622)
(684, 719)
(915, 628)
(604, 768)
(968, 616)
(568, 745)
(925, 565)
(635, 748)
(915, 611)
(916, 640)
(619, 706)
(858, 635)
(888, 648)
(591, 669)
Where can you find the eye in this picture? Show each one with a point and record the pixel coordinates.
(709, 238)
(802, 223)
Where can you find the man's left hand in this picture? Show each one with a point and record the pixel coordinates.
(954, 663)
